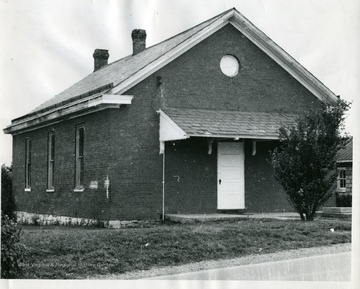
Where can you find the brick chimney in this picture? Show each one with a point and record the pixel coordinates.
(139, 40)
(101, 57)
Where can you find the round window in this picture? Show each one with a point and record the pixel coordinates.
(229, 65)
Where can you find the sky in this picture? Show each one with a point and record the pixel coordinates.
(46, 46)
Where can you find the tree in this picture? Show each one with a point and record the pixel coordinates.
(304, 163)
(7, 199)
(12, 251)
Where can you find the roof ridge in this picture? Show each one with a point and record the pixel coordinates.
(168, 39)
(213, 19)
(128, 57)
(126, 72)
(208, 22)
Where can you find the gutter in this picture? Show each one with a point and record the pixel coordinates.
(84, 106)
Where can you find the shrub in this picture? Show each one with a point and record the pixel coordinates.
(305, 161)
(7, 199)
(12, 252)
(343, 200)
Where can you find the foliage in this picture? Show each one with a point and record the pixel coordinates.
(12, 252)
(305, 161)
(7, 199)
(343, 199)
(64, 252)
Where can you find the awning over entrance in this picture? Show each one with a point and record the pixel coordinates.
(180, 123)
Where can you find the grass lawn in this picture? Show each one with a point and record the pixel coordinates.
(72, 252)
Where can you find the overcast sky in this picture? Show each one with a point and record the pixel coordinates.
(46, 46)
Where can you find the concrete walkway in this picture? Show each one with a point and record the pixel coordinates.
(329, 267)
(192, 218)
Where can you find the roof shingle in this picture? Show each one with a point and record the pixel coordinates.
(201, 122)
(117, 71)
(345, 154)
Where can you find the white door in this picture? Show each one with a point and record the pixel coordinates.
(231, 184)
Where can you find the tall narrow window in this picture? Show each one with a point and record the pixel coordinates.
(341, 179)
(79, 158)
(51, 155)
(28, 164)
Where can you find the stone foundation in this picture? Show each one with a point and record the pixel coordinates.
(337, 212)
(44, 220)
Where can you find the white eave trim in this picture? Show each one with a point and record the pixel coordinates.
(111, 99)
(69, 111)
(172, 54)
(239, 136)
(256, 36)
(169, 130)
(279, 55)
(344, 161)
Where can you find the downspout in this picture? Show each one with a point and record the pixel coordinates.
(163, 186)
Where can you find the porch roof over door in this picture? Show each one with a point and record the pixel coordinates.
(180, 123)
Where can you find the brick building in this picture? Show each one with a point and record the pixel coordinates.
(184, 126)
(344, 179)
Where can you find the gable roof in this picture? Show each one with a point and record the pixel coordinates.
(345, 154)
(121, 75)
(123, 69)
(235, 124)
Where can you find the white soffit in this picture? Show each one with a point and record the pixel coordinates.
(169, 130)
(110, 99)
(69, 111)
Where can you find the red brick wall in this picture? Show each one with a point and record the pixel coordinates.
(124, 142)
(262, 192)
(136, 165)
(191, 178)
(64, 201)
(195, 80)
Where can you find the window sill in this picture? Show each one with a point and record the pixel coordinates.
(342, 190)
(79, 189)
(27, 190)
(50, 190)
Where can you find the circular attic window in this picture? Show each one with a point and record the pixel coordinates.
(229, 65)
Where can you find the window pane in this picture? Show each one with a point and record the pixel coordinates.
(27, 163)
(343, 174)
(342, 183)
(81, 141)
(51, 155)
(81, 170)
(52, 145)
(79, 161)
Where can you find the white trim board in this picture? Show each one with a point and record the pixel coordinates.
(256, 36)
(72, 110)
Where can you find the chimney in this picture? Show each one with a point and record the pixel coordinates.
(101, 57)
(139, 40)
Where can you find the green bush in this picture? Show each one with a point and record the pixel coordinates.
(7, 198)
(304, 163)
(12, 252)
(343, 200)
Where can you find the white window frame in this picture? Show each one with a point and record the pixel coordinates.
(341, 180)
(79, 158)
(51, 162)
